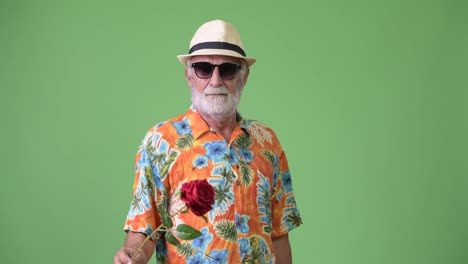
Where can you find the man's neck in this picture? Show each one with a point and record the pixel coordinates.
(224, 126)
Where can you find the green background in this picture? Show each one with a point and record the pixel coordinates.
(369, 99)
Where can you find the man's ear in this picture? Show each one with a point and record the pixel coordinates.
(246, 76)
(187, 76)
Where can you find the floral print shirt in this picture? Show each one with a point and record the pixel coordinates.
(254, 200)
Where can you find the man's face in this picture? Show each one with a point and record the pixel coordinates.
(215, 96)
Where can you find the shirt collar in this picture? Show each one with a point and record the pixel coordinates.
(200, 127)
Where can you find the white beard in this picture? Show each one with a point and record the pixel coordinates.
(220, 107)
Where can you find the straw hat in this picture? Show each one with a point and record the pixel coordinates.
(217, 37)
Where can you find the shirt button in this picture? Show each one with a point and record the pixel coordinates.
(237, 182)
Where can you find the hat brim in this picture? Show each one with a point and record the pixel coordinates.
(184, 58)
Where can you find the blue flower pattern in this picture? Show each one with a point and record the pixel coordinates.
(182, 127)
(233, 156)
(202, 241)
(198, 258)
(242, 223)
(244, 247)
(216, 151)
(246, 155)
(218, 256)
(200, 162)
(287, 183)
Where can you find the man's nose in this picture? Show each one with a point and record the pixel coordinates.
(216, 79)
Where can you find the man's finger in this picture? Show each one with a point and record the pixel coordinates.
(123, 256)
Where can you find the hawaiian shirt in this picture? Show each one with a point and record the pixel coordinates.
(254, 200)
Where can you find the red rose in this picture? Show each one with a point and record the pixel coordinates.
(198, 195)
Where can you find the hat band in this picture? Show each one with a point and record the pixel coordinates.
(217, 45)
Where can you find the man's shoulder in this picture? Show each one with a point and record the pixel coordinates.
(169, 123)
(253, 125)
(259, 131)
(164, 128)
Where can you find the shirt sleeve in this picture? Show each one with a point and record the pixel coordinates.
(285, 215)
(142, 216)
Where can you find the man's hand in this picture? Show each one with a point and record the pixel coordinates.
(124, 256)
(132, 242)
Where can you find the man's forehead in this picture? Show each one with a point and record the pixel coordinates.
(211, 58)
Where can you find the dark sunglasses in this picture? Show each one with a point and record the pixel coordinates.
(227, 71)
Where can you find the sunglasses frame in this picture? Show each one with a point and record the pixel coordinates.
(213, 66)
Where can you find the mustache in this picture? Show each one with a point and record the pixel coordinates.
(217, 90)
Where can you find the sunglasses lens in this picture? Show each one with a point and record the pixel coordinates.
(228, 71)
(203, 69)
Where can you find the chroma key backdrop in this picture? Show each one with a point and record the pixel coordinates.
(368, 98)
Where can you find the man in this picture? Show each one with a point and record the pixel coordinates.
(254, 206)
